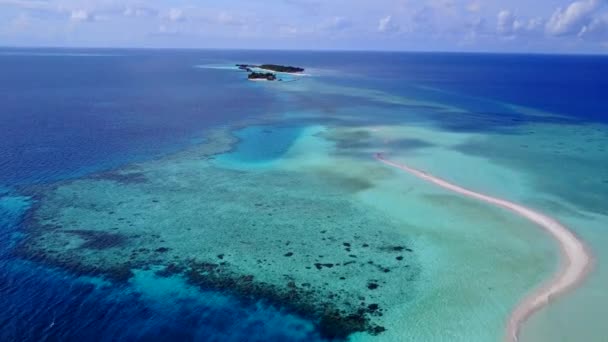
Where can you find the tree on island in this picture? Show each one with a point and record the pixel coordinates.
(281, 68)
(261, 76)
(272, 67)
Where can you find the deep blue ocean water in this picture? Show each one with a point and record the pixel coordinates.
(68, 113)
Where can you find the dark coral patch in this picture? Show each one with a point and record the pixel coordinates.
(320, 266)
(169, 271)
(99, 240)
(397, 249)
(377, 330)
(332, 324)
(373, 307)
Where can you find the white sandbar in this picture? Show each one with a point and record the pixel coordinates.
(576, 258)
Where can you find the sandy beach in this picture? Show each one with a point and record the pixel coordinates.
(576, 260)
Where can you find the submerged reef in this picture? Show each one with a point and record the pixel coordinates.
(295, 240)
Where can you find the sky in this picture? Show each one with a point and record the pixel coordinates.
(535, 26)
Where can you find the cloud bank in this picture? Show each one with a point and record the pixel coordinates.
(453, 25)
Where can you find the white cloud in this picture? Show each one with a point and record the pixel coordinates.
(432, 24)
(80, 15)
(387, 25)
(507, 24)
(80, 11)
(164, 30)
(176, 14)
(226, 18)
(138, 11)
(574, 19)
(288, 30)
(510, 25)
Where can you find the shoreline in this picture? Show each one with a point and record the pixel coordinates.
(576, 259)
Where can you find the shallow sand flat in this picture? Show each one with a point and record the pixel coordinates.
(457, 239)
(477, 261)
(580, 315)
(535, 165)
(567, 178)
(576, 259)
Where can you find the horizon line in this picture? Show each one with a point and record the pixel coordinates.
(477, 52)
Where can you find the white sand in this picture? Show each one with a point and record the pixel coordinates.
(576, 259)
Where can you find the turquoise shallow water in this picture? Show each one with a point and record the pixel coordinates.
(260, 146)
(279, 224)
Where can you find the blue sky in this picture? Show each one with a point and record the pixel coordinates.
(560, 26)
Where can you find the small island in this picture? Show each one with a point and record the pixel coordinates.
(271, 67)
(254, 76)
(281, 68)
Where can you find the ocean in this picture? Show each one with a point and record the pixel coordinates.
(159, 195)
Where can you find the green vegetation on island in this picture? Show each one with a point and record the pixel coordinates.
(281, 68)
(269, 76)
(271, 67)
(268, 67)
